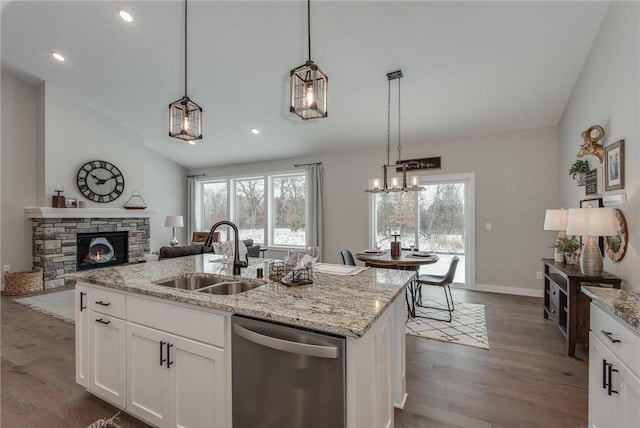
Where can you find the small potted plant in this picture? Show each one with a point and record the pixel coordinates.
(578, 170)
(570, 247)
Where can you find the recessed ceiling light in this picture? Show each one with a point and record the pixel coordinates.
(57, 56)
(255, 131)
(126, 16)
(193, 143)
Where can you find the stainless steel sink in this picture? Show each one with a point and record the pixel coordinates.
(193, 282)
(232, 287)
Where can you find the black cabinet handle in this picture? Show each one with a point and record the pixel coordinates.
(609, 385)
(82, 294)
(162, 360)
(608, 334)
(169, 362)
(604, 374)
(101, 321)
(101, 303)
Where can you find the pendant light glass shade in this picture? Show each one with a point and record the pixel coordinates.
(185, 120)
(308, 91)
(185, 116)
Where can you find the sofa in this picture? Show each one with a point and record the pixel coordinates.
(253, 250)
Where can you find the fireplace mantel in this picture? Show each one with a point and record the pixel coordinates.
(46, 212)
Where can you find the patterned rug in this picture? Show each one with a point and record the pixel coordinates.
(468, 326)
(58, 304)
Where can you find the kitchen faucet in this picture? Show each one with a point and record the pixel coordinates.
(237, 263)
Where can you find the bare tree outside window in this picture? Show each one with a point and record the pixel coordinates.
(214, 205)
(249, 205)
(289, 210)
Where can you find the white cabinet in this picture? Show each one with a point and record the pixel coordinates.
(614, 386)
(173, 381)
(82, 334)
(165, 363)
(107, 357)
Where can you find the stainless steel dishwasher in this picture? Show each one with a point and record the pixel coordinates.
(285, 377)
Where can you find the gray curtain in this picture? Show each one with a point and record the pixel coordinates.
(192, 225)
(314, 230)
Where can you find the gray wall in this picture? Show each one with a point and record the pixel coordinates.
(46, 137)
(607, 93)
(516, 176)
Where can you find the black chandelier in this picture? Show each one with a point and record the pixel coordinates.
(185, 116)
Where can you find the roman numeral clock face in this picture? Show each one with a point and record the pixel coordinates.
(100, 181)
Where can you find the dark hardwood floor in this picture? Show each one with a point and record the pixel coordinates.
(524, 380)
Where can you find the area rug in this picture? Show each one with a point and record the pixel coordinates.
(467, 327)
(58, 304)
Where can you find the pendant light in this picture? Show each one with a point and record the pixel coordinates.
(185, 116)
(308, 85)
(395, 187)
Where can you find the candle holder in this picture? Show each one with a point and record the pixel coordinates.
(58, 201)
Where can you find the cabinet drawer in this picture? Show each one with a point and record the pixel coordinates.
(107, 302)
(624, 343)
(554, 308)
(554, 292)
(205, 326)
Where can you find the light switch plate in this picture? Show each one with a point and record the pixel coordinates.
(487, 226)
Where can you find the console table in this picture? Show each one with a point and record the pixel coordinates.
(565, 305)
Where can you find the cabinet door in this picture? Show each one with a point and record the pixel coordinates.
(82, 334)
(147, 374)
(198, 384)
(107, 353)
(614, 392)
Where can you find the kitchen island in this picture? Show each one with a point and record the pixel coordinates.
(131, 335)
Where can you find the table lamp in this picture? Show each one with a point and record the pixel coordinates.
(174, 221)
(591, 222)
(556, 219)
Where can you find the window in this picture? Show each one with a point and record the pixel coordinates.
(289, 210)
(437, 220)
(270, 209)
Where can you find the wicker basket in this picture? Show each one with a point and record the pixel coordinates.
(17, 283)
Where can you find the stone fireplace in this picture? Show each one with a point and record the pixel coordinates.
(56, 232)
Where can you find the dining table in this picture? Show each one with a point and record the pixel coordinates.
(407, 260)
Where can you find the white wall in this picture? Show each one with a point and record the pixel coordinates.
(607, 93)
(46, 137)
(165, 184)
(18, 170)
(516, 180)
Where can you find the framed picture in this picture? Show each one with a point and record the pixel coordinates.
(595, 203)
(614, 166)
(72, 203)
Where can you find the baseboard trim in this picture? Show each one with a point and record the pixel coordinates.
(401, 405)
(502, 289)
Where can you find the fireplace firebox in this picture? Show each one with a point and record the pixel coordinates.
(101, 249)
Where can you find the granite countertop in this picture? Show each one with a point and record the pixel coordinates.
(623, 304)
(337, 304)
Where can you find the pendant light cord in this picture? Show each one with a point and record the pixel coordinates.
(185, 48)
(389, 122)
(309, 27)
(399, 143)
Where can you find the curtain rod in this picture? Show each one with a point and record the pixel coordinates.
(197, 175)
(307, 164)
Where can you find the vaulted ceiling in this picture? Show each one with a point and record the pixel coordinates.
(470, 68)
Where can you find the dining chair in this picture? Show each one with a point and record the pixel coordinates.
(347, 258)
(443, 281)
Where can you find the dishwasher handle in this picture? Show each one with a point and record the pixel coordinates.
(285, 345)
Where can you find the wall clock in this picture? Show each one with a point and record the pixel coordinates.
(616, 245)
(100, 181)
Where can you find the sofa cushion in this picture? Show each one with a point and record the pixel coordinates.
(180, 251)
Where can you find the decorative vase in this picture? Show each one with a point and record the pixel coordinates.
(395, 250)
(575, 258)
(568, 259)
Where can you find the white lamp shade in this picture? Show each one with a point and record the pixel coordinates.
(591, 222)
(174, 221)
(556, 219)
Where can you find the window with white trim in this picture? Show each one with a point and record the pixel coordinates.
(271, 209)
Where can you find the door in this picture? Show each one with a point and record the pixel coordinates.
(198, 390)
(439, 219)
(107, 350)
(82, 334)
(147, 374)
